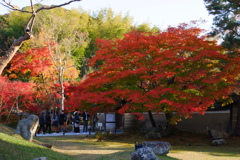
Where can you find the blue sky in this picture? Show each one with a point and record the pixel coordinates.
(160, 13)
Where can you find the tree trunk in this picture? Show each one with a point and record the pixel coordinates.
(169, 127)
(13, 49)
(61, 72)
(151, 118)
(237, 127)
(229, 127)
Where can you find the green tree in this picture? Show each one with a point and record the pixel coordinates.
(104, 24)
(60, 30)
(226, 21)
(12, 27)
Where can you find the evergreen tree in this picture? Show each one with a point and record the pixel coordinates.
(226, 21)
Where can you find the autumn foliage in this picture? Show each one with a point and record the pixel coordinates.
(175, 70)
(16, 96)
(38, 66)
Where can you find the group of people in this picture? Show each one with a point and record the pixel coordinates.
(56, 121)
(51, 122)
(76, 121)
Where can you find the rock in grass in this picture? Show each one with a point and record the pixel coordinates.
(145, 153)
(153, 135)
(217, 142)
(27, 127)
(158, 147)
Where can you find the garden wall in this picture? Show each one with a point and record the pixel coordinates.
(197, 124)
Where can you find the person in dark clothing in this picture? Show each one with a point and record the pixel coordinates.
(48, 122)
(76, 122)
(55, 122)
(85, 116)
(41, 123)
(62, 120)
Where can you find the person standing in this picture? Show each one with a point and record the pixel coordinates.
(62, 120)
(55, 122)
(41, 123)
(48, 120)
(85, 116)
(76, 122)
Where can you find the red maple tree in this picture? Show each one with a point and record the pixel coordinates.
(16, 95)
(29, 64)
(35, 65)
(173, 71)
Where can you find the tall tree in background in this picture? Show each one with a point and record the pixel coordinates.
(27, 30)
(63, 41)
(104, 24)
(226, 23)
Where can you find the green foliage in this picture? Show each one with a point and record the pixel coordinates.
(226, 21)
(11, 27)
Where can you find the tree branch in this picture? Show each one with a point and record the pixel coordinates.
(12, 7)
(56, 6)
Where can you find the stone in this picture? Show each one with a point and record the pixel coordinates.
(27, 127)
(215, 134)
(153, 135)
(145, 153)
(150, 129)
(158, 147)
(217, 142)
(40, 158)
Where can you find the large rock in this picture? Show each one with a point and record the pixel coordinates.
(215, 134)
(217, 142)
(145, 153)
(152, 129)
(153, 135)
(27, 127)
(158, 147)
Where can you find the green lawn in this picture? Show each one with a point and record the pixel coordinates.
(185, 146)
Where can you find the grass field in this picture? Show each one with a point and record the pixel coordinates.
(185, 146)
